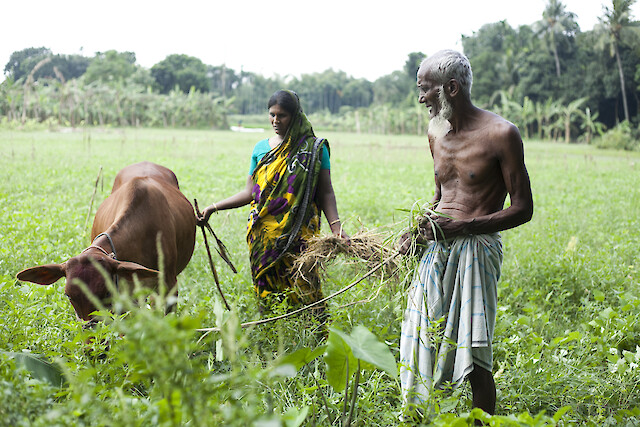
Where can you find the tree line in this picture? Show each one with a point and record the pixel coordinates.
(550, 78)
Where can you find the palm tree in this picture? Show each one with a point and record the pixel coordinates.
(528, 116)
(590, 125)
(549, 118)
(504, 104)
(556, 21)
(617, 28)
(568, 112)
(10, 96)
(29, 84)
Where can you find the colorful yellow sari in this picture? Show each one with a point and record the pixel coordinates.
(284, 213)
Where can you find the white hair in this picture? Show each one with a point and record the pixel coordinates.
(449, 64)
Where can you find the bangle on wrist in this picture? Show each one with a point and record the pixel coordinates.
(215, 208)
(334, 222)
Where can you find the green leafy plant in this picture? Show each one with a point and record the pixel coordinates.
(345, 355)
(621, 137)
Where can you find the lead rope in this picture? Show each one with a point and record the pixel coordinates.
(222, 252)
(306, 307)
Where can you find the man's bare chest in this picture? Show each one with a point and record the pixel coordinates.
(464, 163)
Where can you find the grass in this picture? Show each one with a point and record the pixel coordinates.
(568, 327)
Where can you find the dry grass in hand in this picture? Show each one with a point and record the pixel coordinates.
(321, 250)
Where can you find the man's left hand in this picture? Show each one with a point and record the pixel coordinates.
(445, 228)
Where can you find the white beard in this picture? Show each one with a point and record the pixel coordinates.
(439, 125)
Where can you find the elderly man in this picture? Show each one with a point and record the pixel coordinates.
(478, 159)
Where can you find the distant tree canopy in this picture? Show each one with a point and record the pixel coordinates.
(22, 62)
(550, 61)
(111, 66)
(181, 71)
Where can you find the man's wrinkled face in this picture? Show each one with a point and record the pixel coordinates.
(428, 92)
(432, 95)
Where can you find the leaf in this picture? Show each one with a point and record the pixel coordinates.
(608, 313)
(301, 357)
(295, 417)
(38, 367)
(572, 336)
(366, 347)
(286, 370)
(598, 295)
(268, 422)
(336, 356)
(560, 413)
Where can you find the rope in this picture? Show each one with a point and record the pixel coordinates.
(113, 248)
(306, 307)
(110, 255)
(211, 265)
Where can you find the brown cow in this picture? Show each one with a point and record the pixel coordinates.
(145, 203)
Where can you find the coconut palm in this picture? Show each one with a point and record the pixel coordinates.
(556, 22)
(617, 28)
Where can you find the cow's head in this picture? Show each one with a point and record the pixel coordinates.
(84, 268)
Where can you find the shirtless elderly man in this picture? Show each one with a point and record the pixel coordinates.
(478, 158)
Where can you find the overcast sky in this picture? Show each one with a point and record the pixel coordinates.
(284, 37)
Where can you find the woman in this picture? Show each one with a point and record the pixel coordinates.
(289, 184)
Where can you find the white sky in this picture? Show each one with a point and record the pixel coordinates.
(286, 37)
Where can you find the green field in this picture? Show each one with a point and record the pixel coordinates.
(567, 333)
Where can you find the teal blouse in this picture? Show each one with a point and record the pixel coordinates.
(262, 148)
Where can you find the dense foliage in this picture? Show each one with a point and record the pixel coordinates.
(553, 61)
(550, 78)
(567, 341)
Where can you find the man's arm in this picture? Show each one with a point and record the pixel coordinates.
(518, 186)
(510, 153)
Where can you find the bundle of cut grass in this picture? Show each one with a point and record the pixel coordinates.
(365, 246)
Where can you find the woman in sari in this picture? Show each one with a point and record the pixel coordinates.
(288, 187)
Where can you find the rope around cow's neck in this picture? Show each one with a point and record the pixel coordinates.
(104, 251)
(306, 307)
(113, 248)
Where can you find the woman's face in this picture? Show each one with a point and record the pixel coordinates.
(280, 119)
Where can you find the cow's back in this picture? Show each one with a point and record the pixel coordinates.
(146, 201)
(145, 169)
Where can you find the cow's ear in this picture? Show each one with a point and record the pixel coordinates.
(127, 269)
(43, 274)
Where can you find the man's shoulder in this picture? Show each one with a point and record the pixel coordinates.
(497, 120)
(499, 128)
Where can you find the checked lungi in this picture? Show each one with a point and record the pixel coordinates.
(450, 317)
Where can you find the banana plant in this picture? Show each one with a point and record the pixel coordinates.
(345, 355)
